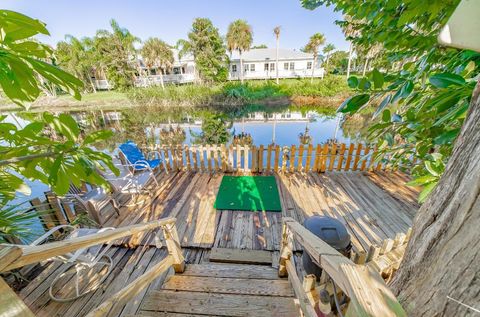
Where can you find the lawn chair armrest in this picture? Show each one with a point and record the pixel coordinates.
(157, 153)
(49, 233)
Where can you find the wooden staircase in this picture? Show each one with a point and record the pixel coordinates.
(222, 290)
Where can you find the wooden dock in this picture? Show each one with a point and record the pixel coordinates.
(376, 208)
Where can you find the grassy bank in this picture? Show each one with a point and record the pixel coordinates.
(330, 90)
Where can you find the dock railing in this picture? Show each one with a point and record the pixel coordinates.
(366, 290)
(15, 256)
(272, 158)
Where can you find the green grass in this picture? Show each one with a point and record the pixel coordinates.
(193, 95)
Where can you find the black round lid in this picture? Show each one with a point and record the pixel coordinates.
(329, 230)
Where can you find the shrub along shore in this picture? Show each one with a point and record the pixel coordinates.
(329, 92)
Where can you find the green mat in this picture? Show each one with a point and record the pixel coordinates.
(252, 193)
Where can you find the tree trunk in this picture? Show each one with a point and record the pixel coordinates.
(365, 67)
(326, 67)
(161, 79)
(241, 67)
(313, 67)
(350, 53)
(440, 274)
(276, 59)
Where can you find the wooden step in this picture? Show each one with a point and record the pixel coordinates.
(197, 303)
(232, 270)
(228, 285)
(225, 255)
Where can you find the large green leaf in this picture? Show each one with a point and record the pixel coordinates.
(378, 79)
(15, 26)
(444, 80)
(354, 103)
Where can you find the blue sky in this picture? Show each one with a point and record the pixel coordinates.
(171, 20)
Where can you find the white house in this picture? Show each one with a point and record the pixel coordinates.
(260, 63)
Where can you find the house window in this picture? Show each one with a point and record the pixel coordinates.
(272, 66)
(292, 65)
(245, 67)
(265, 68)
(285, 66)
(309, 65)
(234, 68)
(252, 67)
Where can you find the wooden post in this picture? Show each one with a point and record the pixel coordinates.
(230, 158)
(195, 158)
(317, 158)
(224, 157)
(292, 158)
(239, 158)
(254, 159)
(284, 158)
(55, 204)
(215, 158)
(260, 159)
(187, 157)
(277, 157)
(269, 158)
(340, 157)
(209, 157)
(357, 156)
(349, 157)
(174, 247)
(300, 158)
(323, 161)
(333, 156)
(309, 158)
(285, 251)
(372, 158)
(245, 158)
(365, 158)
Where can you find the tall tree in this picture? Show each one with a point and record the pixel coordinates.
(276, 31)
(239, 38)
(117, 52)
(427, 106)
(315, 41)
(327, 51)
(206, 45)
(77, 56)
(350, 33)
(156, 53)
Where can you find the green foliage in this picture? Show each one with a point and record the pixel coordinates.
(206, 45)
(157, 53)
(78, 57)
(116, 54)
(423, 100)
(214, 130)
(51, 148)
(315, 41)
(16, 221)
(23, 61)
(239, 36)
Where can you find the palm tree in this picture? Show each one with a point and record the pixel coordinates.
(117, 51)
(350, 32)
(276, 31)
(312, 46)
(156, 53)
(239, 37)
(327, 49)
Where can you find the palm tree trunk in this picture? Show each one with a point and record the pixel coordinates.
(276, 59)
(161, 79)
(326, 67)
(365, 67)
(241, 67)
(313, 66)
(350, 53)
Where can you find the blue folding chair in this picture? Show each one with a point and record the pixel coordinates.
(134, 159)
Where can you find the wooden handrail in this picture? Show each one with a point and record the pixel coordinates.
(34, 254)
(119, 299)
(368, 293)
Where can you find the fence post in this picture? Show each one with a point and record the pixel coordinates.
(174, 247)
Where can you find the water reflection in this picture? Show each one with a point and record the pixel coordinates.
(252, 125)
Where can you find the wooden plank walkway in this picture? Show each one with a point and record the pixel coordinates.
(373, 206)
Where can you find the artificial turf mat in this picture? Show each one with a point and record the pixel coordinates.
(252, 193)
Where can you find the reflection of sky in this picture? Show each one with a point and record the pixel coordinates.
(286, 132)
